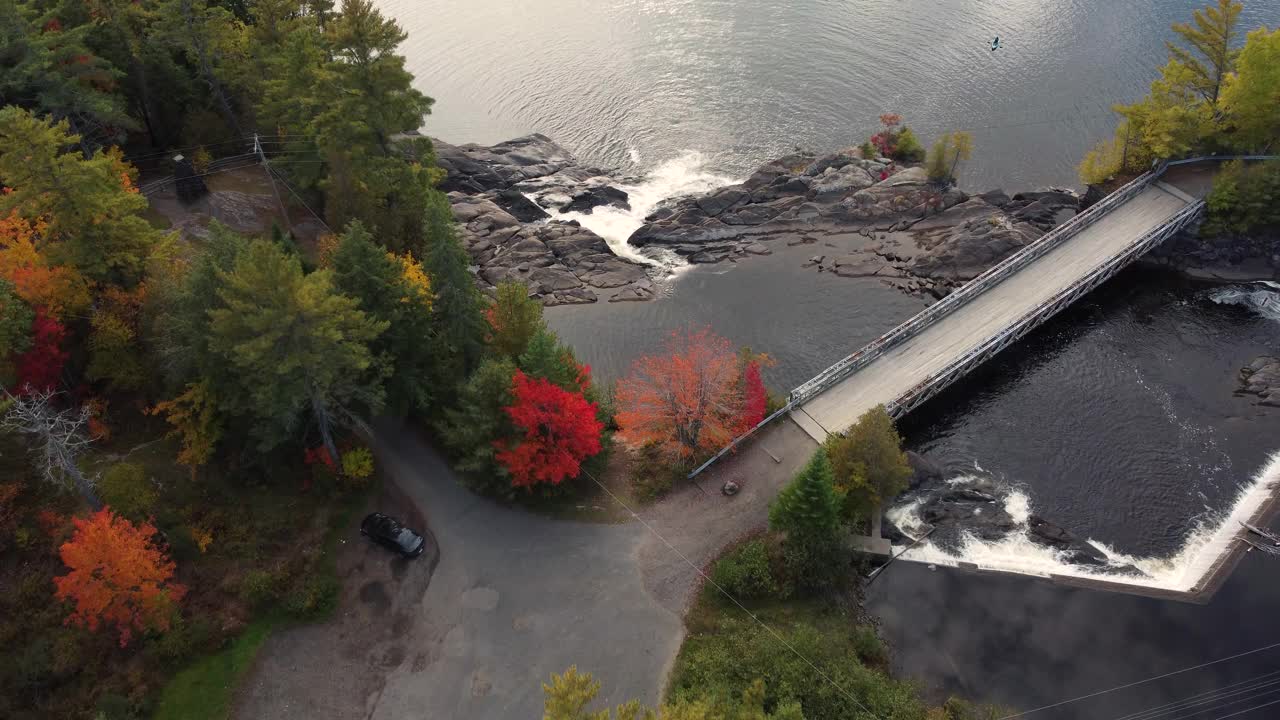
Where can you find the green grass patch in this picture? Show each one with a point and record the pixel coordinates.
(204, 690)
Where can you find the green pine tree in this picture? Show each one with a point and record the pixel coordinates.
(95, 220)
(477, 420)
(457, 305)
(295, 346)
(515, 319)
(366, 272)
(808, 507)
(48, 67)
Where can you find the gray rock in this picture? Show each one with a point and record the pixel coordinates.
(519, 206)
(758, 249)
(836, 160)
(719, 201)
(923, 470)
(847, 179)
(1262, 378)
(593, 197)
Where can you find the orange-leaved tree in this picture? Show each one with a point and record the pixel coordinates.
(118, 576)
(690, 401)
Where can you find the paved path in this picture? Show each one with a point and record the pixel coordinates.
(515, 597)
(903, 367)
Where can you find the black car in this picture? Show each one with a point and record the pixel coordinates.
(388, 531)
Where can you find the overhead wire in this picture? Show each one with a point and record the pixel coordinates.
(1241, 712)
(1141, 682)
(1201, 698)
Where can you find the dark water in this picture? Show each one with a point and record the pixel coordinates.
(631, 83)
(1117, 418)
(1025, 644)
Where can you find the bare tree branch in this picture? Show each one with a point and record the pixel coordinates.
(58, 439)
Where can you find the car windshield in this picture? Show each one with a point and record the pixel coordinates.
(406, 538)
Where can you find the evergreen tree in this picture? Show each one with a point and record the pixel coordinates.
(1252, 95)
(547, 358)
(514, 320)
(295, 347)
(808, 511)
(808, 508)
(15, 326)
(377, 279)
(92, 210)
(213, 41)
(456, 307)
(179, 310)
(479, 418)
(48, 67)
(343, 94)
(1210, 57)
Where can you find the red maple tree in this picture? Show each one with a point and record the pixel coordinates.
(118, 576)
(40, 367)
(559, 430)
(690, 401)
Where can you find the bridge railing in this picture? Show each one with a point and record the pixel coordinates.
(994, 275)
(930, 385)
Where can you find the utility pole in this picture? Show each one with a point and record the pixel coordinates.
(284, 214)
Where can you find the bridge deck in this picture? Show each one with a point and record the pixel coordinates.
(903, 367)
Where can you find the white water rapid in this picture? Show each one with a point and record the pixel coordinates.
(1210, 537)
(1261, 297)
(686, 174)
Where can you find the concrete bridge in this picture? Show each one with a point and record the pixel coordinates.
(913, 362)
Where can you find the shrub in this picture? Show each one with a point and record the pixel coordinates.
(126, 489)
(866, 642)
(259, 587)
(651, 475)
(357, 467)
(314, 597)
(869, 151)
(744, 572)
(815, 565)
(908, 148)
(728, 660)
(1244, 199)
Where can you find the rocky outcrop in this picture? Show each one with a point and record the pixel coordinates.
(1074, 550)
(561, 263)
(1221, 257)
(506, 199)
(923, 470)
(920, 236)
(916, 235)
(1262, 379)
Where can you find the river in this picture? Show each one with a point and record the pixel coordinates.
(1116, 420)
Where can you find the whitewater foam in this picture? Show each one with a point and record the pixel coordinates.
(1209, 540)
(1261, 297)
(686, 174)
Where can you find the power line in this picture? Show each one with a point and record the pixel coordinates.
(1226, 705)
(724, 592)
(299, 198)
(1141, 682)
(1241, 712)
(1204, 697)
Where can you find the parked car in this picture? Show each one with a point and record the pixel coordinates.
(386, 530)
